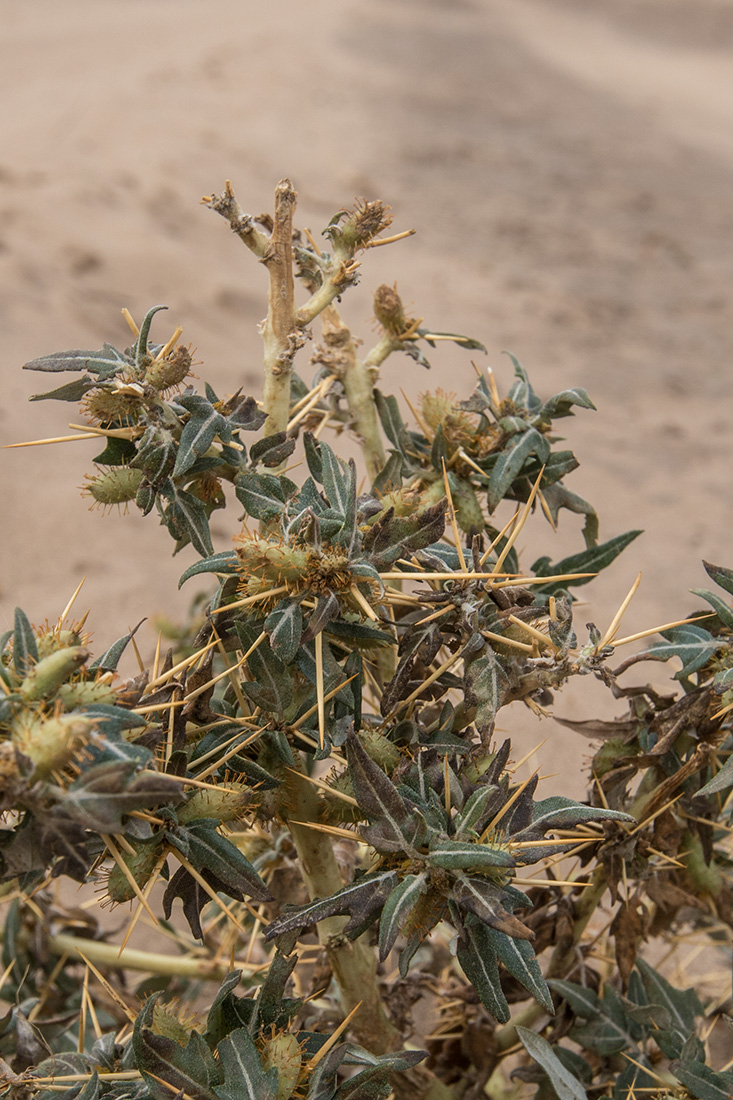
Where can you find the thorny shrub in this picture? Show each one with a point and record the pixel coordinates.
(314, 774)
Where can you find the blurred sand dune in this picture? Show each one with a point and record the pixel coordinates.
(567, 166)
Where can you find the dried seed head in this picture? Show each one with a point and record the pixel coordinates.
(114, 485)
(107, 406)
(389, 311)
(164, 374)
(365, 222)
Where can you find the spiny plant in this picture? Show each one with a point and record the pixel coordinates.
(315, 774)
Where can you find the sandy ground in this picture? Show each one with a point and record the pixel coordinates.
(567, 165)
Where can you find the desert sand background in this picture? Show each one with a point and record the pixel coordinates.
(567, 165)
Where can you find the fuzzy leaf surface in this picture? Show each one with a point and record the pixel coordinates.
(592, 560)
(244, 1076)
(397, 908)
(284, 628)
(565, 1084)
(478, 961)
(380, 800)
(181, 1068)
(206, 849)
(361, 899)
(521, 962)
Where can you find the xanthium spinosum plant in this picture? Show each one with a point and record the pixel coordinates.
(313, 770)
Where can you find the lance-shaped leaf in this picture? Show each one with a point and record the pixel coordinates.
(204, 846)
(156, 454)
(336, 478)
(187, 519)
(722, 576)
(484, 900)
(271, 450)
(720, 782)
(72, 391)
(608, 1030)
(562, 403)
(103, 363)
(486, 686)
(142, 347)
(565, 1084)
(703, 1082)
(272, 685)
(681, 1005)
(163, 1062)
(105, 793)
(225, 563)
(392, 536)
(466, 855)
(241, 412)
(559, 812)
(284, 628)
(394, 824)
(397, 909)
(262, 495)
(392, 422)
(326, 610)
(520, 960)
(481, 806)
(274, 1009)
(228, 1011)
(244, 1076)
(467, 342)
(719, 606)
(203, 424)
(591, 561)
(510, 462)
(478, 961)
(690, 643)
(110, 658)
(390, 476)
(362, 899)
(373, 1082)
(25, 650)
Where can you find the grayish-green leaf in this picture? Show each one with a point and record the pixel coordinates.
(690, 643)
(719, 606)
(466, 855)
(244, 1076)
(478, 961)
(565, 1084)
(723, 577)
(25, 650)
(561, 404)
(284, 628)
(397, 908)
(520, 960)
(225, 563)
(261, 494)
(590, 561)
(511, 460)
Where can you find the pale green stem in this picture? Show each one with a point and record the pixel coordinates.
(358, 383)
(353, 962)
(562, 959)
(109, 954)
(384, 347)
(280, 330)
